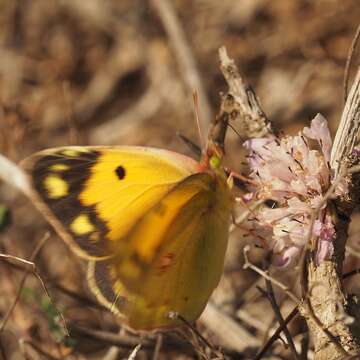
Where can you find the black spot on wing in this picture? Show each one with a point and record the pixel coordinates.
(76, 172)
(120, 172)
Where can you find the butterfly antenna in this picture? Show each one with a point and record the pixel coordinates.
(195, 149)
(197, 118)
(234, 130)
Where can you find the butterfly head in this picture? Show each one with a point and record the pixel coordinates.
(212, 159)
(215, 162)
(215, 149)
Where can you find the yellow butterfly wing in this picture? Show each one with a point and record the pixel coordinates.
(152, 222)
(94, 195)
(177, 256)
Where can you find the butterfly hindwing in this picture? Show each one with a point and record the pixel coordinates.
(109, 291)
(173, 267)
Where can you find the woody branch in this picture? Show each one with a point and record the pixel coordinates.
(332, 336)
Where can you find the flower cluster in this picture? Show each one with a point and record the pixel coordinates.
(295, 176)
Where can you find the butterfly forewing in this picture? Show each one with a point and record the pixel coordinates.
(94, 195)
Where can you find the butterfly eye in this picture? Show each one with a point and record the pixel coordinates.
(214, 162)
(120, 172)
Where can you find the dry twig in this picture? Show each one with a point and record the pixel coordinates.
(318, 309)
(265, 275)
(23, 280)
(271, 296)
(133, 354)
(129, 341)
(14, 175)
(349, 62)
(326, 295)
(276, 334)
(229, 333)
(184, 55)
(348, 127)
(159, 340)
(240, 104)
(38, 349)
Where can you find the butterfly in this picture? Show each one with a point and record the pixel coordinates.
(152, 224)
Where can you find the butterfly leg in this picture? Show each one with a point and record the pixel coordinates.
(237, 179)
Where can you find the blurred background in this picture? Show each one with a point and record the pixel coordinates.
(110, 72)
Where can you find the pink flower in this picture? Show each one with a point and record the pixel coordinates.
(296, 176)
